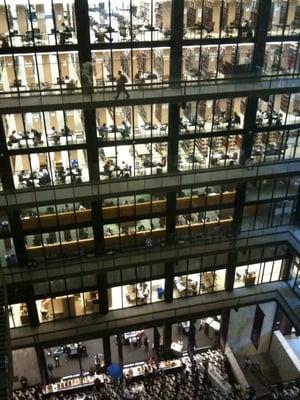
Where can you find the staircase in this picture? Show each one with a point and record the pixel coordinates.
(5, 355)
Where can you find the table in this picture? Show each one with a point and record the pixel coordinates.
(175, 346)
(141, 149)
(218, 381)
(132, 334)
(109, 152)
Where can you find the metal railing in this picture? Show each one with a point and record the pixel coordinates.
(182, 86)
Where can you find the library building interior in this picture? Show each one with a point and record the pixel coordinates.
(149, 199)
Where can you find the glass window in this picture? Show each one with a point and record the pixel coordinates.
(134, 21)
(258, 273)
(18, 315)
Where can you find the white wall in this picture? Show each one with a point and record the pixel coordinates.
(282, 354)
(25, 363)
(240, 328)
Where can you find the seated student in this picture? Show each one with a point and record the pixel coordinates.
(37, 136)
(65, 33)
(44, 176)
(125, 132)
(102, 131)
(21, 175)
(101, 36)
(12, 138)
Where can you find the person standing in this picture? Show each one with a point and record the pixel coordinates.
(121, 81)
(146, 344)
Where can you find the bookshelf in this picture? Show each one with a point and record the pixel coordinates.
(125, 64)
(143, 113)
(158, 112)
(158, 61)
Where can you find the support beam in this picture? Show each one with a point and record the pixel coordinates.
(84, 53)
(263, 16)
(106, 349)
(167, 335)
(97, 222)
(18, 237)
(176, 39)
(6, 174)
(102, 288)
(230, 271)
(89, 116)
(169, 282)
(171, 217)
(224, 327)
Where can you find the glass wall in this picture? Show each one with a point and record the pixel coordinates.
(294, 277)
(37, 23)
(284, 18)
(272, 188)
(132, 123)
(216, 61)
(255, 274)
(40, 71)
(44, 129)
(124, 161)
(59, 244)
(140, 293)
(8, 256)
(18, 315)
(268, 214)
(72, 305)
(281, 58)
(219, 18)
(61, 215)
(130, 20)
(140, 66)
(199, 283)
(278, 110)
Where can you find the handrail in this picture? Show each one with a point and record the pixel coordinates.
(256, 369)
(154, 84)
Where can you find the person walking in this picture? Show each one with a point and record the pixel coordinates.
(121, 81)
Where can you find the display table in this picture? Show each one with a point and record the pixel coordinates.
(218, 381)
(72, 382)
(175, 346)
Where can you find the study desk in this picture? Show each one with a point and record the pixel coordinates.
(141, 150)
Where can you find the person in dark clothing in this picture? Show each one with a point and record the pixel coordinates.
(121, 81)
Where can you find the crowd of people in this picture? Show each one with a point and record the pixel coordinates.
(192, 380)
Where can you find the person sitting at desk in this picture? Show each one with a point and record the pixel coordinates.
(66, 131)
(194, 218)
(5, 43)
(60, 80)
(125, 131)
(66, 208)
(139, 77)
(181, 220)
(81, 208)
(44, 176)
(13, 138)
(21, 175)
(108, 168)
(124, 169)
(101, 36)
(108, 232)
(237, 119)
(141, 228)
(163, 162)
(102, 131)
(37, 137)
(65, 34)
